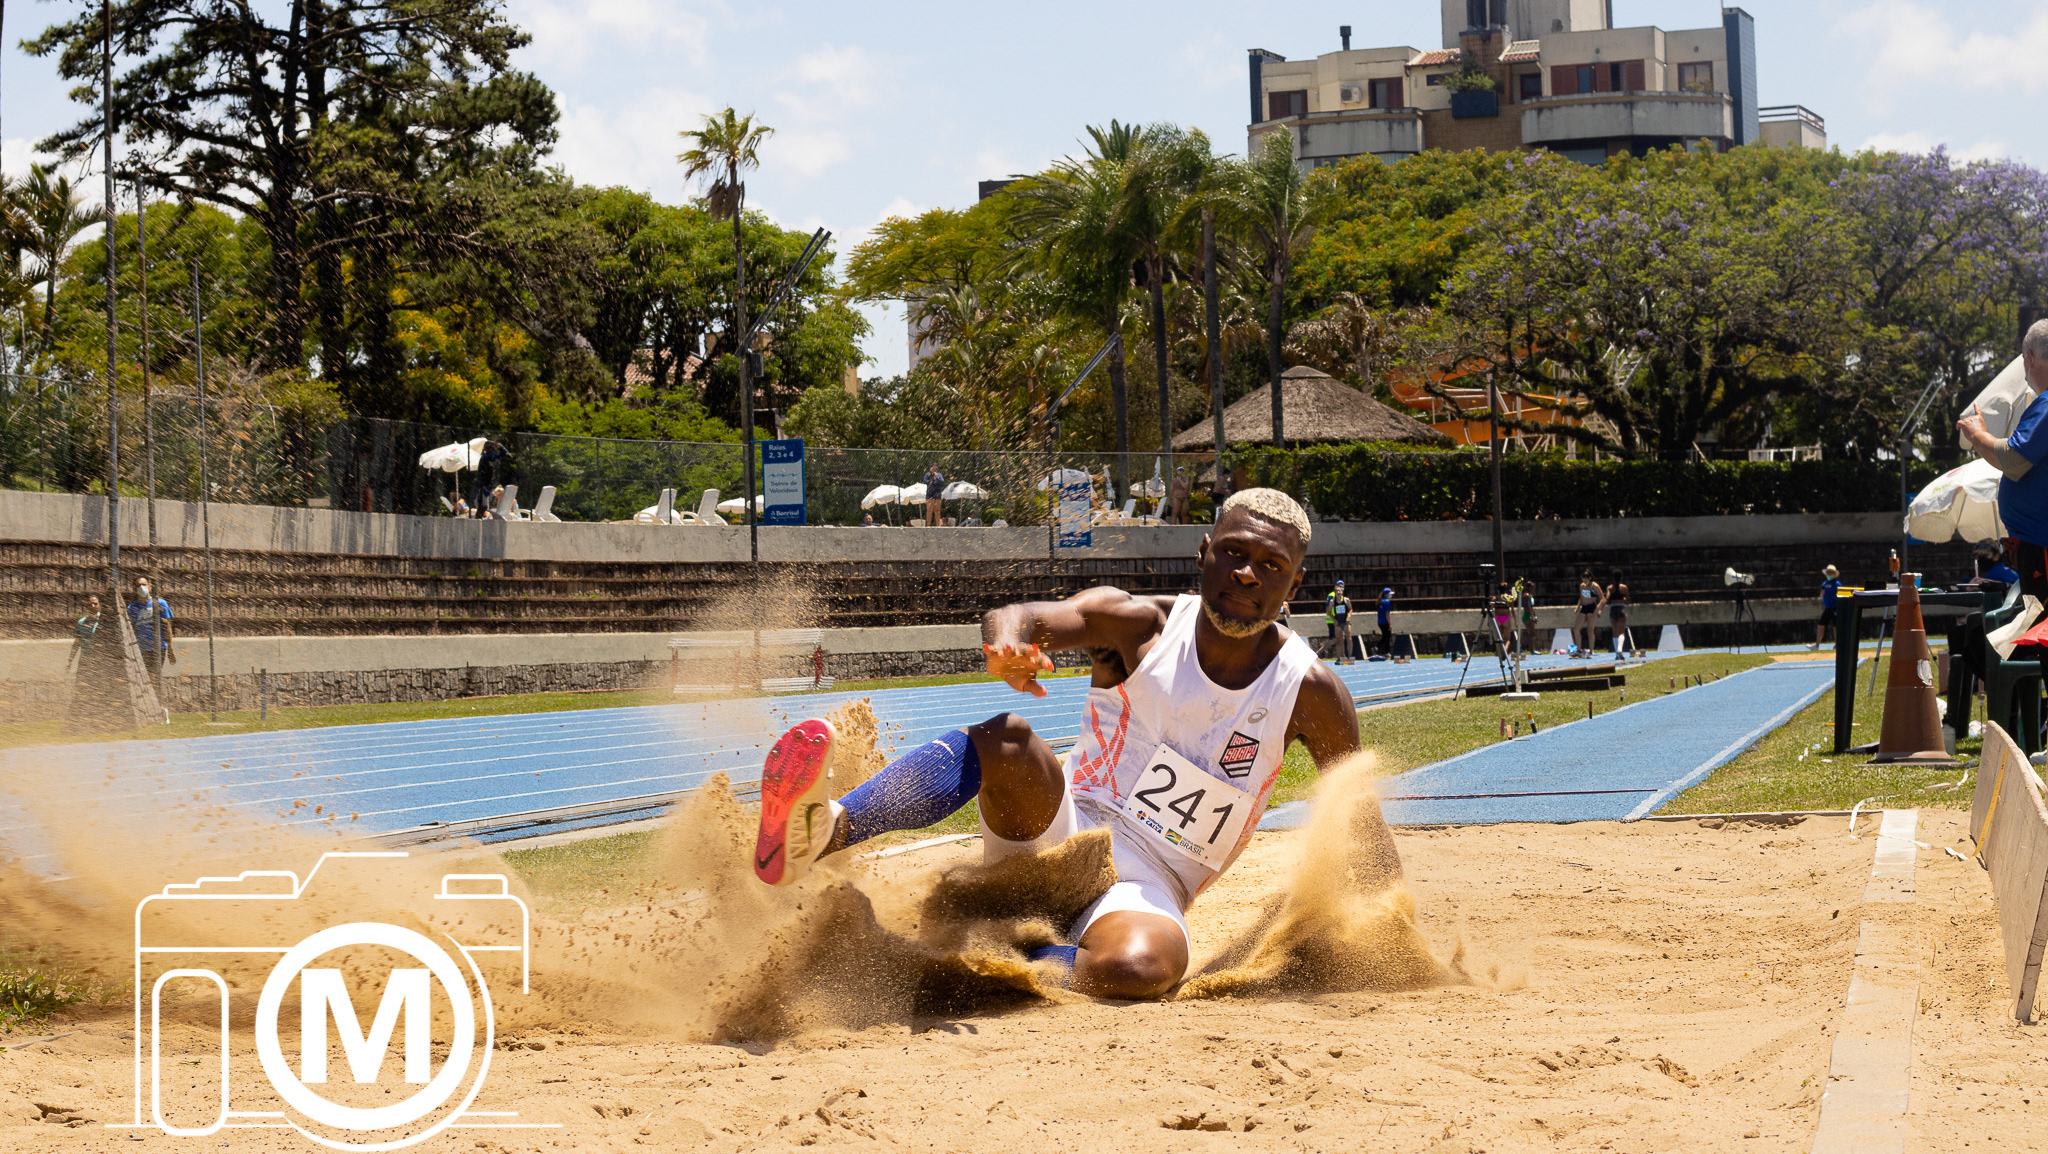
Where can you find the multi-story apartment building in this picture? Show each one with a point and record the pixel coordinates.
(1563, 78)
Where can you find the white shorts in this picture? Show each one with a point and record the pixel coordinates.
(1141, 887)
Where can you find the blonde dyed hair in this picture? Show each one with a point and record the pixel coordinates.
(1271, 504)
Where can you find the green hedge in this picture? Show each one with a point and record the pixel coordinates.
(1362, 482)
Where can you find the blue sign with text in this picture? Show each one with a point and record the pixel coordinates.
(782, 482)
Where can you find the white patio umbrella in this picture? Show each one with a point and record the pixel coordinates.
(453, 458)
(1156, 487)
(739, 504)
(912, 494)
(1962, 502)
(2002, 401)
(1066, 477)
(963, 491)
(881, 495)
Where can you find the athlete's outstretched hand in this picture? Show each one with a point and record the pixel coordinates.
(1019, 666)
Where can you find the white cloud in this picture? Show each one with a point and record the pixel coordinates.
(822, 95)
(1916, 43)
(632, 143)
(568, 33)
(1927, 142)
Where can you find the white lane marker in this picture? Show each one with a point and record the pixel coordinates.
(1863, 1110)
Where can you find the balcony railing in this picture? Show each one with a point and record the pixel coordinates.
(1790, 113)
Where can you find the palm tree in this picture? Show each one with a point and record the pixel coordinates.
(727, 145)
(1070, 220)
(54, 216)
(1164, 172)
(1272, 209)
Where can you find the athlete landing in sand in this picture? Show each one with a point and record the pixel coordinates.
(1193, 702)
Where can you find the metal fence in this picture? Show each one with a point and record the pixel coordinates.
(53, 437)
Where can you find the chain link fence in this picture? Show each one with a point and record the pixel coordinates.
(53, 438)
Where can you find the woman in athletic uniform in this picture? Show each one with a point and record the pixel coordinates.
(1587, 620)
(1193, 702)
(1616, 601)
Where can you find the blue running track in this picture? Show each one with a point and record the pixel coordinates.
(1618, 766)
(393, 778)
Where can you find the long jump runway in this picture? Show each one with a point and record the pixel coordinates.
(1618, 766)
(504, 776)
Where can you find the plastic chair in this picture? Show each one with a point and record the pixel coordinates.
(447, 504)
(508, 504)
(2012, 689)
(707, 509)
(542, 510)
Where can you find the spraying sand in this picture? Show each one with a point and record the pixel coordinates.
(1670, 987)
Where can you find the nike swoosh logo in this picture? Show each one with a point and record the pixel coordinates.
(810, 815)
(762, 863)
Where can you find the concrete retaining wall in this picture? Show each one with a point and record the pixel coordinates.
(65, 517)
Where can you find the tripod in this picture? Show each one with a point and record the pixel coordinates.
(1744, 610)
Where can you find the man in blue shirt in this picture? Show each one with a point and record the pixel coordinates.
(2023, 492)
(1386, 609)
(150, 616)
(1830, 593)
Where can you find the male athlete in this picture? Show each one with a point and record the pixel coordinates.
(1193, 702)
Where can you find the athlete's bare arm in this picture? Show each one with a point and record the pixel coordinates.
(1017, 638)
(1326, 722)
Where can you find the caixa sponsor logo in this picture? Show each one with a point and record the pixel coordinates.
(205, 949)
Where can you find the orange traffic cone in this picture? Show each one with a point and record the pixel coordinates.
(1912, 718)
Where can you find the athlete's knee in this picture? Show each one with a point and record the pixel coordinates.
(1004, 731)
(1126, 970)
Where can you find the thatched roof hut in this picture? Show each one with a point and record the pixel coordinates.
(1316, 409)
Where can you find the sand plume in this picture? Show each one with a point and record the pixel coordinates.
(1345, 922)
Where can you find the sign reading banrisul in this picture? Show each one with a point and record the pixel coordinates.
(782, 481)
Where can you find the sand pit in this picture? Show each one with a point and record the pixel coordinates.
(1646, 987)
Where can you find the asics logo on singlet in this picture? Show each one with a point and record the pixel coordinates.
(1238, 755)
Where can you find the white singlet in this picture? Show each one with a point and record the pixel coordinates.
(1237, 735)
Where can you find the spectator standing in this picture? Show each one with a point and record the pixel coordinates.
(1830, 594)
(1329, 619)
(488, 465)
(1340, 614)
(934, 483)
(1586, 622)
(150, 617)
(2023, 490)
(1386, 623)
(1503, 610)
(84, 631)
(1616, 600)
(1177, 497)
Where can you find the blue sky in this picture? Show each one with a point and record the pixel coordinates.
(890, 107)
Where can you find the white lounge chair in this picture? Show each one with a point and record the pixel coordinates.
(543, 510)
(447, 504)
(707, 511)
(508, 504)
(658, 513)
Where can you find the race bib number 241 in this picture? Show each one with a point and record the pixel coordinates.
(1193, 812)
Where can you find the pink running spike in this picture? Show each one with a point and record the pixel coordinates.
(795, 784)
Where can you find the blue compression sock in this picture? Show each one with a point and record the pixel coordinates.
(928, 783)
(1064, 956)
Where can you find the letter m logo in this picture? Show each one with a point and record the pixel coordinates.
(322, 991)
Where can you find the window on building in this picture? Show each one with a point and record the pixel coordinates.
(1696, 77)
(1531, 86)
(1281, 105)
(1435, 79)
(1388, 93)
(1585, 78)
